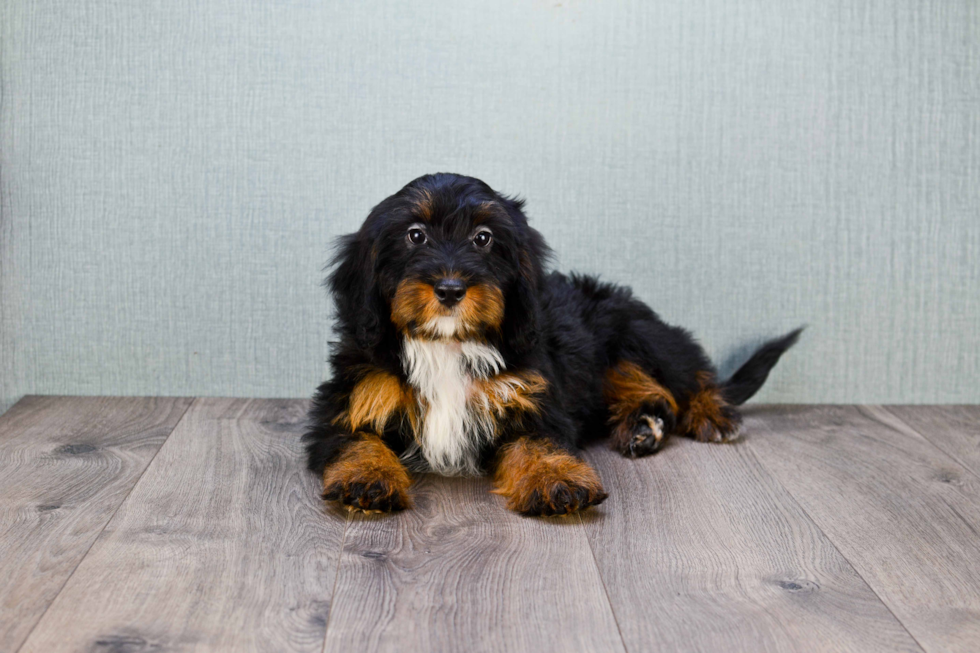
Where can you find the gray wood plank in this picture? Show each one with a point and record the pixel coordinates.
(954, 429)
(701, 550)
(461, 573)
(223, 545)
(66, 463)
(906, 515)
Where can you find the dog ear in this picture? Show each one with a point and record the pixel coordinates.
(522, 312)
(353, 285)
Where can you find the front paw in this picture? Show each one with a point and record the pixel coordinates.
(369, 477)
(368, 495)
(539, 479)
(555, 497)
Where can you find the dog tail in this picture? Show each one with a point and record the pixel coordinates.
(747, 380)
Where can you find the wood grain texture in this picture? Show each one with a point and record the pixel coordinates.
(906, 515)
(827, 529)
(223, 545)
(66, 464)
(954, 429)
(460, 573)
(701, 550)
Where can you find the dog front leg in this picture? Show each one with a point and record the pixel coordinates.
(538, 477)
(367, 476)
(358, 469)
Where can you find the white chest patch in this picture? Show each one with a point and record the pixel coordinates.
(443, 372)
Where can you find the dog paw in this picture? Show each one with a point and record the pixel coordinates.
(378, 495)
(647, 438)
(709, 417)
(540, 480)
(557, 498)
(368, 476)
(720, 426)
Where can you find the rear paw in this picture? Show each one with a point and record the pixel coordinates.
(647, 438)
(708, 416)
(646, 431)
(721, 427)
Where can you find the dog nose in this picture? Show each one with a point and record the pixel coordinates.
(450, 291)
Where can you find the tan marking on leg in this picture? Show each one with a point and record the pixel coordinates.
(627, 388)
(656, 426)
(368, 476)
(709, 418)
(536, 477)
(509, 392)
(376, 399)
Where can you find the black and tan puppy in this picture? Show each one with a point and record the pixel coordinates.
(460, 354)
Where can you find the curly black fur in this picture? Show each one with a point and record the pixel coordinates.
(569, 329)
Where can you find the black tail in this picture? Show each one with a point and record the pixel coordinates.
(749, 378)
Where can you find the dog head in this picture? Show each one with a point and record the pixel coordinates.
(444, 257)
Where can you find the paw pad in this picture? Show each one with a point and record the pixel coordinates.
(537, 478)
(370, 496)
(648, 437)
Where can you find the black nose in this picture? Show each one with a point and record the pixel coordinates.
(450, 291)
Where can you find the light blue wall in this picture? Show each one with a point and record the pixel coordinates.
(172, 174)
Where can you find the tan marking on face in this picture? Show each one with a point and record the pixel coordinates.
(482, 308)
(489, 209)
(415, 304)
(416, 309)
(423, 203)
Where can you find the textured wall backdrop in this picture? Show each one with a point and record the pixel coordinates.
(174, 172)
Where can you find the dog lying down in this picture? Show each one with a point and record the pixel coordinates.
(459, 353)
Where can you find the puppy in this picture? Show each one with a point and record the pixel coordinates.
(459, 353)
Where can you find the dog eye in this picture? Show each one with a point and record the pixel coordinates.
(416, 236)
(482, 239)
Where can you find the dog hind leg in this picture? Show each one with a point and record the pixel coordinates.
(708, 417)
(642, 412)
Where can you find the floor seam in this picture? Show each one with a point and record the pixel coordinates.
(40, 618)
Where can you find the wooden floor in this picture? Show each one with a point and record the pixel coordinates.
(150, 524)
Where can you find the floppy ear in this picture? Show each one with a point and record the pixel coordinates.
(355, 292)
(522, 312)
